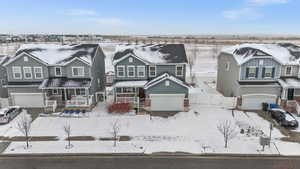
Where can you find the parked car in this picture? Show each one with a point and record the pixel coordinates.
(284, 118)
(7, 114)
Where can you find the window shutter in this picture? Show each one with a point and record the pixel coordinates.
(273, 72)
(247, 72)
(256, 72)
(263, 72)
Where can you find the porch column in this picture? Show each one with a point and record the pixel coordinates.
(65, 95)
(283, 94)
(87, 98)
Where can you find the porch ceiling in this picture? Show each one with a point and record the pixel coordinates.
(54, 83)
(130, 84)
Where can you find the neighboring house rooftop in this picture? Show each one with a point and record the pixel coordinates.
(155, 54)
(55, 54)
(285, 53)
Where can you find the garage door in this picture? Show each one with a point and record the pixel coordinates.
(167, 102)
(254, 101)
(33, 100)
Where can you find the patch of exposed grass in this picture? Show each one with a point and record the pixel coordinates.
(36, 138)
(81, 138)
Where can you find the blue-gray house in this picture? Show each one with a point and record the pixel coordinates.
(151, 77)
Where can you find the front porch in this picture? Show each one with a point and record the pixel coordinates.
(290, 94)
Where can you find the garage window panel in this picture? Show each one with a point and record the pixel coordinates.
(17, 73)
(27, 72)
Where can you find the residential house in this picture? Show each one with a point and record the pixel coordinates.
(257, 73)
(151, 77)
(50, 75)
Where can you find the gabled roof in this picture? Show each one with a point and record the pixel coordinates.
(155, 54)
(64, 82)
(163, 77)
(54, 54)
(287, 54)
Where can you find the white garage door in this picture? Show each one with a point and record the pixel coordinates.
(254, 101)
(167, 102)
(34, 100)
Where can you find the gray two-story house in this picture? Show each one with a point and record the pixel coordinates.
(257, 73)
(152, 77)
(51, 75)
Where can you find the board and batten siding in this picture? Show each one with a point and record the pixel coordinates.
(30, 63)
(265, 63)
(135, 62)
(161, 88)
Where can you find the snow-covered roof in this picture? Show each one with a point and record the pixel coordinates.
(54, 54)
(289, 83)
(287, 54)
(130, 84)
(65, 83)
(3, 111)
(163, 77)
(156, 54)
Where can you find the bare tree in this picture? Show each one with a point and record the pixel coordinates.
(192, 60)
(67, 130)
(227, 129)
(24, 126)
(115, 131)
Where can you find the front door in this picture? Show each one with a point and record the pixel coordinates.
(290, 94)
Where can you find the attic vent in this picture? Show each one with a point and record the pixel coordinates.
(25, 59)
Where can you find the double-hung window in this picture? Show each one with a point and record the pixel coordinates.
(38, 72)
(152, 71)
(80, 91)
(141, 71)
(17, 73)
(120, 71)
(268, 72)
(58, 71)
(78, 71)
(130, 71)
(27, 71)
(179, 70)
(251, 72)
(288, 71)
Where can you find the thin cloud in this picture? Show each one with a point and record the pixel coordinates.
(267, 2)
(245, 13)
(108, 21)
(80, 12)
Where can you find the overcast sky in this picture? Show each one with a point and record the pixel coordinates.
(141, 17)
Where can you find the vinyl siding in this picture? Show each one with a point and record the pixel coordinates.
(77, 63)
(295, 71)
(161, 88)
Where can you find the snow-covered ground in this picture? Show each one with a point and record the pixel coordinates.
(191, 132)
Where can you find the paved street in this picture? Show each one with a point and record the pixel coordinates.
(147, 162)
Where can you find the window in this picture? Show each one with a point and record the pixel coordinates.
(128, 90)
(152, 71)
(27, 72)
(227, 66)
(38, 72)
(17, 74)
(251, 72)
(141, 71)
(54, 91)
(130, 71)
(25, 59)
(57, 71)
(80, 92)
(288, 71)
(130, 60)
(179, 70)
(167, 83)
(78, 71)
(120, 71)
(261, 62)
(268, 72)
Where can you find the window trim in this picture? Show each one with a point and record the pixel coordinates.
(123, 67)
(268, 67)
(130, 66)
(150, 71)
(167, 83)
(181, 70)
(34, 70)
(24, 73)
(59, 69)
(290, 72)
(130, 59)
(138, 72)
(252, 67)
(25, 58)
(78, 67)
(20, 72)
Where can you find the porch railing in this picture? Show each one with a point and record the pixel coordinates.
(51, 104)
(132, 100)
(79, 102)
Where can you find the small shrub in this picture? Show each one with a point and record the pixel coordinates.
(119, 108)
